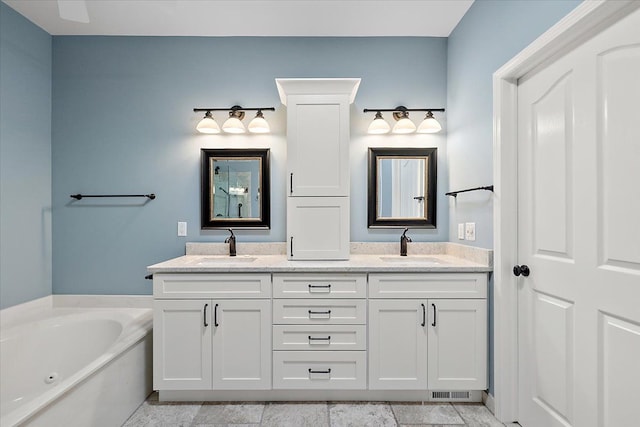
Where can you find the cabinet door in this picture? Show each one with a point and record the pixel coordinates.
(241, 344)
(318, 228)
(318, 145)
(182, 344)
(397, 345)
(457, 344)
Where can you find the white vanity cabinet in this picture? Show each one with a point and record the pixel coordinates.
(318, 145)
(342, 333)
(319, 331)
(212, 332)
(427, 331)
(317, 227)
(318, 120)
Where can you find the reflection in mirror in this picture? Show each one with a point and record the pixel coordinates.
(235, 188)
(402, 187)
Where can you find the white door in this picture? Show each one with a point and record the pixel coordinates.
(579, 235)
(318, 228)
(318, 145)
(241, 344)
(457, 344)
(398, 344)
(182, 344)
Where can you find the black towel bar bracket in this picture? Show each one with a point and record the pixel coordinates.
(82, 196)
(455, 193)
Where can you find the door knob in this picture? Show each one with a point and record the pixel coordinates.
(521, 269)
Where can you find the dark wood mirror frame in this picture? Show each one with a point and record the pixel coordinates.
(206, 195)
(430, 154)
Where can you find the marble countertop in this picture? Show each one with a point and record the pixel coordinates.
(432, 258)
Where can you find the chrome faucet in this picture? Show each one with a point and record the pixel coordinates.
(231, 240)
(404, 239)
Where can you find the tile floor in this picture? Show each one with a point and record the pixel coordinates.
(310, 414)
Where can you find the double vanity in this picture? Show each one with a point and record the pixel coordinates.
(317, 317)
(377, 326)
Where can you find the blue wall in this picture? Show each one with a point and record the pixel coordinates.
(25, 159)
(123, 123)
(489, 35)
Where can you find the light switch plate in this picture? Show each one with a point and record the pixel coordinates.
(182, 229)
(461, 231)
(470, 231)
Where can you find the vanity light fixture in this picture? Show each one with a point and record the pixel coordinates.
(429, 124)
(404, 124)
(233, 124)
(259, 124)
(208, 124)
(379, 125)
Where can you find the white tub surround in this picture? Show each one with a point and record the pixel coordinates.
(74, 366)
(376, 326)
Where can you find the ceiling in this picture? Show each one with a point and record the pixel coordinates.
(432, 18)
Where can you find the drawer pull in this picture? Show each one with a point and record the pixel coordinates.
(327, 287)
(327, 313)
(311, 371)
(319, 338)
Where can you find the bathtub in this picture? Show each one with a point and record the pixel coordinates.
(70, 366)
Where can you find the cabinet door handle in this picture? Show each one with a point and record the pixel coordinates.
(291, 246)
(311, 371)
(204, 317)
(424, 315)
(434, 314)
(327, 287)
(327, 338)
(291, 183)
(215, 316)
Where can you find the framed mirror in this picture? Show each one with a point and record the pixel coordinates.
(402, 187)
(235, 188)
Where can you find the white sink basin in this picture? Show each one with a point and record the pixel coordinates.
(217, 260)
(410, 259)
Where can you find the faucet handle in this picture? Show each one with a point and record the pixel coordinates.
(232, 237)
(404, 235)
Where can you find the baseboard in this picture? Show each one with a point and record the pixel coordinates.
(488, 401)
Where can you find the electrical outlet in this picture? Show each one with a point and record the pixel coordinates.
(461, 231)
(182, 229)
(470, 231)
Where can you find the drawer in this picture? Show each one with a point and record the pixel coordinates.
(319, 337)
(428, 285)
(227, 285)
(325, 311)
(319, 285)
(326, 370)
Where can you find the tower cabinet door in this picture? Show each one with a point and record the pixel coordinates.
(457, 344)
(397, 345)
(241, 344)
(182, 344)
(318, 145)
(318, 228)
